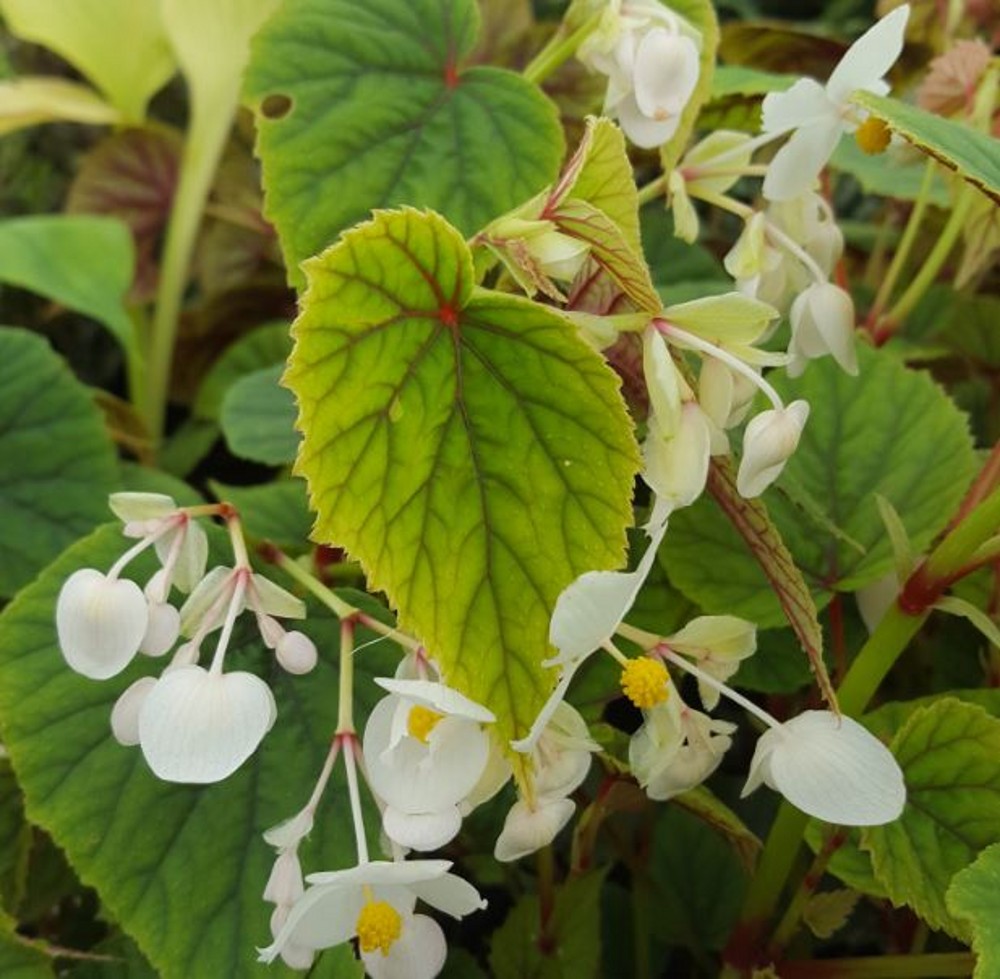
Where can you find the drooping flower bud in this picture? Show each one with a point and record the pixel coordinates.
(768, 442)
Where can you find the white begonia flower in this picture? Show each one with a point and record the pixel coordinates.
(284, 887)
(818, 114)
(724, 394)
(830, 767)
(425, 751)
(768, 442)
(810, 222)
(374, 902)
(199, 726)
(676, 748)
(181, 543)
(822, 321)
(125, 713)
(101, 621)
(675, 466)
(718, 643)
(664, 75)
(587, 613)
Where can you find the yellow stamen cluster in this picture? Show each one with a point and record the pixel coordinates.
(872, 136)
(645, 681)
(421, 721)
(379, 926)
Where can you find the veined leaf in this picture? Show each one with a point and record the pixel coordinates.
(365, 103)
(974, 896)
(970, 153)
(466, 446)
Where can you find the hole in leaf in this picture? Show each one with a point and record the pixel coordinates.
(276, 106)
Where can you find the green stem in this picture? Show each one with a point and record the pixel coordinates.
(652, 190)
(939, 254)
(559, 49)
(345, 700)
(899, 259)
(202, 150)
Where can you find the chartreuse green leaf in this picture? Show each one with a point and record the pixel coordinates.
(119, 45)
(365, 103)
(974, 897)
(181, 868)
(970, 153)
(890, 431)
(466, 446)
(948, 753)
(59, 466)
(258, 418)
(79, 260)
(701, 14)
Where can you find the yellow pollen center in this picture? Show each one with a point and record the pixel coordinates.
(379, 925)
(872, 136)
(645, 681)
(421, 721)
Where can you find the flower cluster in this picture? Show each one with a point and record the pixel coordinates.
(193, 724)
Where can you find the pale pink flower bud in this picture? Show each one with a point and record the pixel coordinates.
(296, 653)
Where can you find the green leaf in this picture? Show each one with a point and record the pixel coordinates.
(365, 103)
(262, 347)
(181, 868)
(19, 959)
(59, 464)
(572, 940)
(258, 418)
(974, 897)
(15, 840)
(948, 753)
(278, 511)
(82, 262)
(890, 431)
(887, 176)
(466, 446)
(118, 44)
(701, 14)
(740, 80)
(970, 153)
(698, 882)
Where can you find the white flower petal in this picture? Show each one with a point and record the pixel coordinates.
(130, 507)
(418, 953)
(162, 630)
(296, 653)
(804, 104)
(589, 610)
(831, 768)
(665, 73)
(796, 166)
(388, 873)
(451, 894)
(100, 622)
(645, 132)
(870, 56)
(199, 727)
(323, 917)
(422, 831)
(662, 380)
(206, 598)
(526, 830)
(822, 321)
(289, 832)
(192, 557)
(876, 599)
(274, 600)
(768, 442)
(676, 467)
(125, 713)
(716, 636)
(284, 885)
(439, 697)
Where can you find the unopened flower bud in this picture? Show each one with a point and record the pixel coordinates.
(125, 713)
(296, 652)
(768, 443)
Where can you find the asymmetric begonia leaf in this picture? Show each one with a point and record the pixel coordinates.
(948, 754)
(181, 868)
(468, 447)
(365, 103)
(258, 418)
(890, 431)
(701, 14)
(974, 896)
(970, 153)
(47, 498)
(77, 260)
(119, 45)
